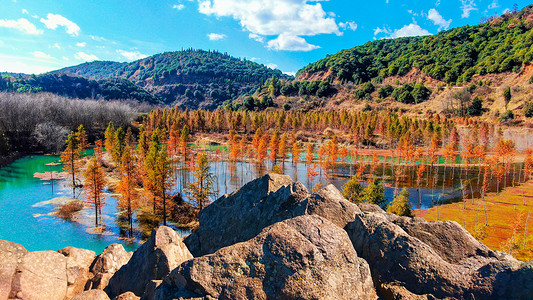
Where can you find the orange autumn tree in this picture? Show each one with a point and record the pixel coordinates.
(93, 185)
(129, 180)
(69, 157)
(81, 135)
(296, 152)
(98, 150)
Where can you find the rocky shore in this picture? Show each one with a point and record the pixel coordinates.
(273, 239)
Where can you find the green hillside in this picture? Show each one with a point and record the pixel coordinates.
(498, 45)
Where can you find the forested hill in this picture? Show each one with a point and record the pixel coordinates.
(189, 78)
(500, 44)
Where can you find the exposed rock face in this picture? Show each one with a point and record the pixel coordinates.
(159, 255)
(78, 264)
(260, 203)
(10, 257)
(307, 257)
(106, 264)
(41, 275)
(410, 257)
(92, 295)
(127, 296)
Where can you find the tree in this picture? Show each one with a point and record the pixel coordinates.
(119, 144)
(94, 184)
(201, 189)
(110, 137)
(353, 190)
(528, 109)
(81, 135)
(164, 178)
(476, 107)
(127, 186)
(69, 157)
(375, 193)
(507, 96)
(401, 205)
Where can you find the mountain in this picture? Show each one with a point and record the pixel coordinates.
(477, 70)
(188, 78)
(501, 44)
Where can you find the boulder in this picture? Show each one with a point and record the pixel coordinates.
(260, 203)
(160, 254)
(10, 257)
(329, 203)
(41, 275)
(78, 264)
(91, 295)
(106, 264)
(127, 296)
(411, 258)
(306, 257)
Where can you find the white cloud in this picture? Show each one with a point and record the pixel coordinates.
(86, 57)
(494, 4)
(81, 45)
(256, 37)
(40, 54)
(290, 73)
(24, 11)
(437, 19)
(255, 59)
(216, 36)
(21, 24)
(27, 65)
(56, 45)
(272, 66)
(178, 6)
(132, 55)
(290, 43)
(409, 30)
(53, 21)
(285, 20)
(351, 25)
(65, 58)
(467, 6)
(97, 38)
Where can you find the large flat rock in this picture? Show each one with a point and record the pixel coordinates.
(10, 257)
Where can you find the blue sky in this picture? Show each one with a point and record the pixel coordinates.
(38, 36)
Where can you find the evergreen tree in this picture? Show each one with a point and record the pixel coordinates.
(401, 205)
(375, 193)
(353, 190)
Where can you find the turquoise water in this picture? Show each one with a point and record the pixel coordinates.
(22, 222)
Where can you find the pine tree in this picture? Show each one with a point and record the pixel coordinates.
(401, 205)
(81, 136)
(119, 145)
(353, 190)
(110, 136)
(94, 184)
(201, 189)
(127, 185)
(69, 157)
(375, 193)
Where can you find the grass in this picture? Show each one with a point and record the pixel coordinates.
(507, 215)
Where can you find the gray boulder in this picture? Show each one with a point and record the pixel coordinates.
(10, 257)
(307, 257)
(412, 258)
(260, 203)
(41, 275)
(91, 295)
(78, 264)
(160, 254)
(106, 264)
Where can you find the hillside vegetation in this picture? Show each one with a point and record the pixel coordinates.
(499, 45)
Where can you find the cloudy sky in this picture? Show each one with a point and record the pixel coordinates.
(38, 36)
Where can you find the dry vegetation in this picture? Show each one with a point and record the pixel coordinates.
(509, 219)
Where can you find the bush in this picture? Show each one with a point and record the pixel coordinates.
(353, 190)
(476, 107)
(67, 211)
(528, 109)
(375, 193)
(400, 205)
(385, 91)
(508, 115)
(365, 91)
(286, 106)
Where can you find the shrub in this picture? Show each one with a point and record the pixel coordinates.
(375, 193)
(400, 205)
(353, 190)
(476, 107)
(67, 211)
(508, 115)
(528, 109)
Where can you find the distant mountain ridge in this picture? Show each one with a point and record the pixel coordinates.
(189, 78)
